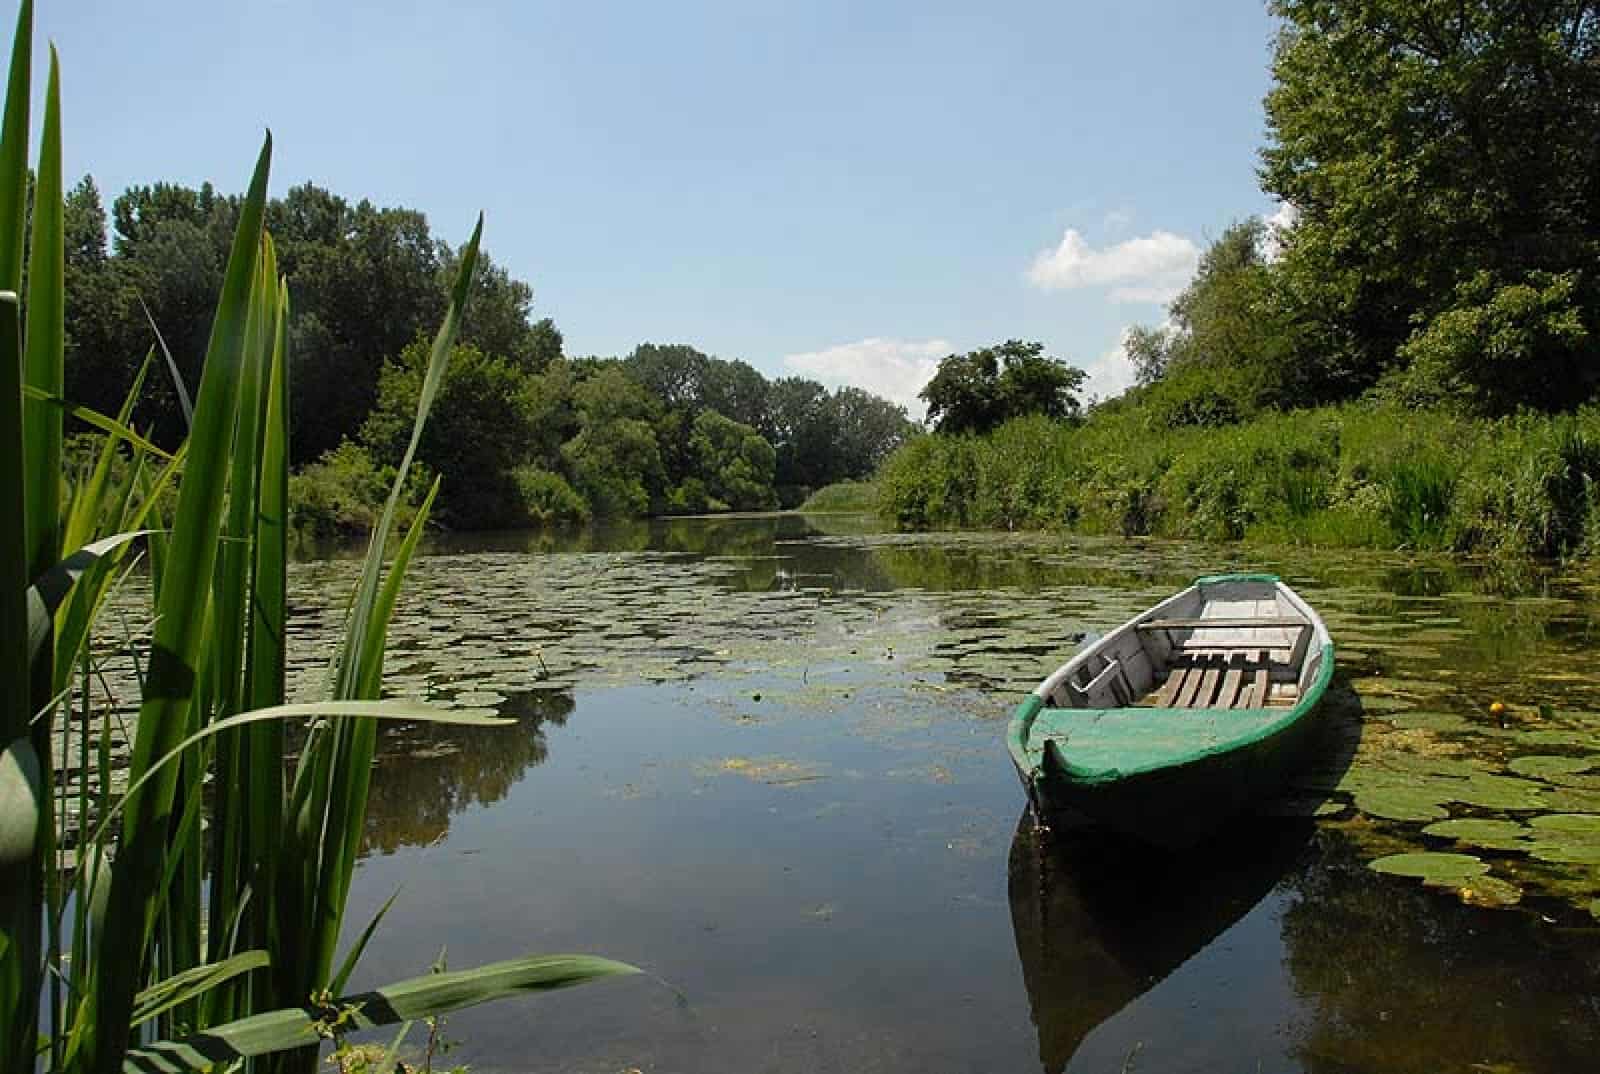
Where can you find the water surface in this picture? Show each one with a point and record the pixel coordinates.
(762, 758)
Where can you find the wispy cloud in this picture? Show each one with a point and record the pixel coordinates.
(892, 368)
(1151, 268)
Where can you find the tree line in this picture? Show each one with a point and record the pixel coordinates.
(521, 433)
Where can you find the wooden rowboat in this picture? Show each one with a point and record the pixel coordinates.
(1180, 717)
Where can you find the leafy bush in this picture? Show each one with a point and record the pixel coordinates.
(1357, 475)
(342, 494)
(547, 498)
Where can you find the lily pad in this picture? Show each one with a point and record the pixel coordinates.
(1400, 803)
(1432, 866)
(1489, 891)
(1500, 792)
(1549, 767)
(1482, 832)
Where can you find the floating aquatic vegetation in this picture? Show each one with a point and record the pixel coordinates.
(1432, 867)
(1486, 832)
(772, 771)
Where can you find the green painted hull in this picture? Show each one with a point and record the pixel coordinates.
(1175, 805)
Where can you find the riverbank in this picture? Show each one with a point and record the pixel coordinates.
(1357, 475)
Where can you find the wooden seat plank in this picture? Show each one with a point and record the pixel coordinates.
(1228, 696)
(1168, 696)
(1208, 684)
(1232, 623)
(1193, 684)
(1258, 692)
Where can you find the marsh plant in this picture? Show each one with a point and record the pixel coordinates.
(194, 917)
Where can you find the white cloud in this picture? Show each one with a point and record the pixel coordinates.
(892, 368)
(1150, 268)
(1279, 222)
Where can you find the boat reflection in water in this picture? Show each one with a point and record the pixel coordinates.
(1100, 920)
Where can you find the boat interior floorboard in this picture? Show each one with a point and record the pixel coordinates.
(1219, 679)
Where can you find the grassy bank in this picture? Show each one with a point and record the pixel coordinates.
(1353, 475)
(843, 496)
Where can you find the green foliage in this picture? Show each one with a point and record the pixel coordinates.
(977, 391)
(1441, 157)
(843, 496)
(547, 498)
(480, 431)
(1499, 347)
(1362, 475)
(207, 899)
(736, 461)
(342, 494)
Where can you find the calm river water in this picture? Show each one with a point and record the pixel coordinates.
(762, 759)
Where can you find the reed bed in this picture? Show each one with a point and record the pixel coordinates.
(185, 912)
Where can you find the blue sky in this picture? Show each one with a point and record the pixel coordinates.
(845, 190)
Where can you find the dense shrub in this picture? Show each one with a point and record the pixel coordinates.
(342, 494)
(1357, 475)
(547, 498)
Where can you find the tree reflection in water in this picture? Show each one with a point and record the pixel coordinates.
(1099, 920)
(429, 772)
(1396, 978)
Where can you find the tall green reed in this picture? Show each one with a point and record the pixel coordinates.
(153, 928)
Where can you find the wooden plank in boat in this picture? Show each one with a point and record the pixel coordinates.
(1232, 622)
(1208, 683)
(1258, 693)
(1168, 696)
(1191, 684)
(1228, 697)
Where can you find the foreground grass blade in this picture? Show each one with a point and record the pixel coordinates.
(419, 997)
(55, 585)
(21, 890)
(175, 664)
(357, 949)
(191, 983)
(96, 419)
(379, 710)
(331, 784)
(44, 336)
(172, 368)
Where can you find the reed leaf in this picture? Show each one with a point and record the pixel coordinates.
(419, 997)
(44, 340)
(21, 892)
(172, 368)
(192, 983)
(174, 668)
(97, 420)
(89, 505)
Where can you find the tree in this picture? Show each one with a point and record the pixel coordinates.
(477, 433)
(736, 463)
(615, 459)
(1225, 350)
(1424, 142)
(976, 391)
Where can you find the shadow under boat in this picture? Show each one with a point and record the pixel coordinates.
(1100, 920)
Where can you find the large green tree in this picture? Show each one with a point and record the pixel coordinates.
(976, 391)
(1439, 153)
